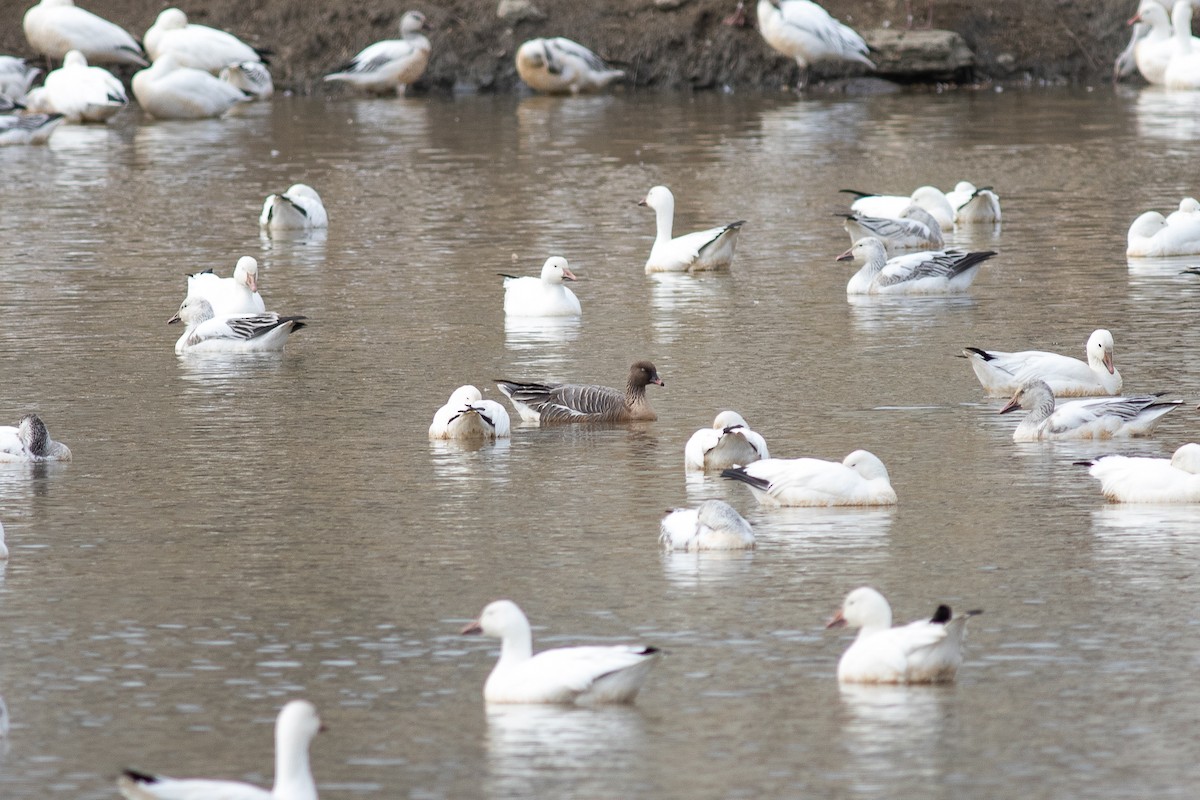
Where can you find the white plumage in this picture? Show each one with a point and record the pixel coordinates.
(169, 90)
(27, 128)
(728, 443)
(560, 65)
(1183, 68)
(860, 479)
(1136, 479)
(79, 92)
(54, 27)
(973, 205)
(544, 296)
(804, 31)
(925, 651)
(692, 252)
(467, 415)
(196, 46)
(585, 675)
(245, 333)
(390, 65)
(236, 295)
(714, 525)
(299, 208)
(252, 77)
(929, 272)
(930, 198)
(16, 76)
(1098, 418)
(1152, 236)
(1001, 374)
(914, 229)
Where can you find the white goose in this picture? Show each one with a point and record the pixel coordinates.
(252, 77)
(804, 31)
(914, 229)
(1099, 418)
(692, 252)
(29, 440)
(16, 77)
(27, 128)
(1132, 479)
(929, 272)
(1151, 236)
(714, 525)
(1153, 50)
(1189, 208)
(860, 479)
(585, 675)
(1001, 374)
(79, 92)
(299, 208)
(560, 65)
(169, 90)
(295, 728)
(925, 651)
(247, 333)
(728, 443)
(1183, 70)
(196, 46)
(467, 415)
(930, 198)
(3, 710)
(972, 205)
(54, 27)
(236, 295)
(544, 296)
(390, 65)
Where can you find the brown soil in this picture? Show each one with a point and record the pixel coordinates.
(688, 47)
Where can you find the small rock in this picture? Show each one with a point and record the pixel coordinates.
(517, 10)
(668, 5)
(919, 55)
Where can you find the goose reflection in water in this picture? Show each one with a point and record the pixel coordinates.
(881, 724)
(541, 342)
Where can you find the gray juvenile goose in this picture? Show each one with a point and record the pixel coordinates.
(571, 402)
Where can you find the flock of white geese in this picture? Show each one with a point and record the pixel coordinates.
(194, 71)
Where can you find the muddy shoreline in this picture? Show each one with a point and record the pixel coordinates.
(687, 47)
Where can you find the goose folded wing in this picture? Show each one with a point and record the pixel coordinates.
(567, 47)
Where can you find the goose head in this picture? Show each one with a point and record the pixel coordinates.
(642, 374)
(296, 725)
(74, 58)
(1187, 458)
(1189, 205)
(555, 270)
(1146, 225)
(866, 464)
(171, 19)
(246, 273)
(303, 190)
(533, 54)
(1100, 350)
(413, 22)
(1153, 14)
(727, 420)
(499, 619)
(966, 187)
(465, 396)
(660, 199)
(1031, 395)
(863, 608)
(192, 311)
(865, 251)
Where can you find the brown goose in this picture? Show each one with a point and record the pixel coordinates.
(571, 402)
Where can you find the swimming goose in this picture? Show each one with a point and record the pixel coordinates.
(196, 46)
(236, 295)
(560, 65)
(1151, 236)
(925, 651)
(1152, 52)
(467, 415)
(972, 205)
(714, 525)
(860, 479)
(28, 128)
(1188, 208)
(29, 440)
(3, 710)
(544, 296)
(295, 728)
(79, 92)
(569, 402)
(1135, 479)
(168, 90)
(692, 252)
(914, 229)
(1001, 374)
(300, 207)
(1099, 418)
(728, 443)
(804, 31)
(53, 27)
(1183, 69)
(252, 77)
(391, 65)
(16, 77)
(930, 198)
(246, 333)
(584, 675)
(929, 272)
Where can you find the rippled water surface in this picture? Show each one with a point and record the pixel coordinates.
(237, 532)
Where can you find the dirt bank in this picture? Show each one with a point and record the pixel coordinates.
(1056, 40)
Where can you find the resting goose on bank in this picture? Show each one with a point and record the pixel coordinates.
(236, 295)
(16, 77)
(559, 65)
(79, 92)
(54, 27)
(29, 440)
(929, 272)
(169, 90)
(1001, 374)
(390, 65)
(925, 651)
(972, 205)
(728, 443)
(692, 252)
(714, 525)
(914, 229)
(930, 198)
(295, 728)
(27, 128)
(1151, 236)
(1099, 418)
(252, 77)
(1136, 479)
(544, 296)
(860, 479)
(195, 46)
(569, 402)
(246, 333)
(804, 31)
(585, 675)
(467, 415)
(299, 208)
